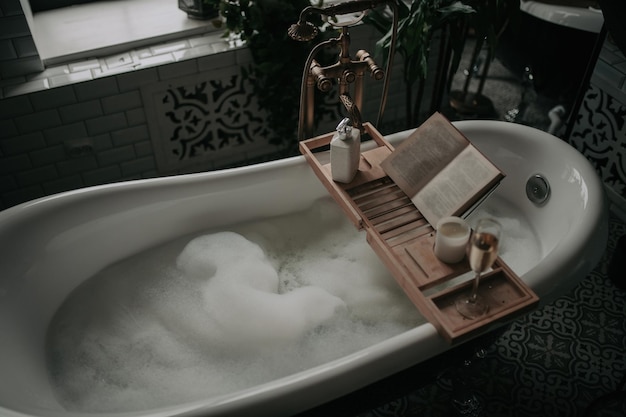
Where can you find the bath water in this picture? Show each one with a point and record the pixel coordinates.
(226, 310)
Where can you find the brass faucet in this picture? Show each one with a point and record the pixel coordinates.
(346, 71)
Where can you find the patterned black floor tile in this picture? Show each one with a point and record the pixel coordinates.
(566, 354)
(553, 362)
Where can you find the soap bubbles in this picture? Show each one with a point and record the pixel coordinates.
(241, 306)
(223, 311)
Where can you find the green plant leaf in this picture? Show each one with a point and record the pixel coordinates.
(262, 25)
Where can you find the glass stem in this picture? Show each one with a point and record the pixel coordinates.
(474, 293)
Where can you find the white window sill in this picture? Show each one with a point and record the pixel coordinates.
(94, 54)
(109, 27)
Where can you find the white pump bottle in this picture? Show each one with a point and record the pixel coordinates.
(345, 152)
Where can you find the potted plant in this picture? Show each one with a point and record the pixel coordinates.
(200, 9)
(418, 21)
(277, 59)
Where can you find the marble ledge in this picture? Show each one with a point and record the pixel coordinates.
(134, 60)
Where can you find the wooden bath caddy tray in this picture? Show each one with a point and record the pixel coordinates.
(404, 240)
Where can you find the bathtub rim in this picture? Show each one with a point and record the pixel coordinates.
(584, 257)
(300, 380)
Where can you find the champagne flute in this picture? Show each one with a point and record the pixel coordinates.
(482, 253)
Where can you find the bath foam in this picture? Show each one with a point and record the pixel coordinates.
(239, 294)
(225, 310)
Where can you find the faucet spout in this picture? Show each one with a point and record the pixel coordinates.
(353, 111)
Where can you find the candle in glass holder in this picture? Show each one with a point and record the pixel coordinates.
(451, 239)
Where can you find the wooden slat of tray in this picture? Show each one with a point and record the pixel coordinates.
(369, 169)
(371, 187)
(391, 220)
(403, 240)
(383, 202)
(418, 257)
(409, 236)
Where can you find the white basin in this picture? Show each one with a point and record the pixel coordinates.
(52, 245)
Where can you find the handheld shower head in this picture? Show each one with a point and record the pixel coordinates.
(305, 31)
(302, 31)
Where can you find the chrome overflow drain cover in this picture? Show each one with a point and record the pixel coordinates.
(538, 189)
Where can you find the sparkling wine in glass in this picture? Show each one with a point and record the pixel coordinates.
(482, 252)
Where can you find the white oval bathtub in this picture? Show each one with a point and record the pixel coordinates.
(579, 18)
(51, 245)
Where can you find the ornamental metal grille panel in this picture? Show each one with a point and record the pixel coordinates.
(204, 121)
(599, 134)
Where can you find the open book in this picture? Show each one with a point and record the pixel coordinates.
(440, 170)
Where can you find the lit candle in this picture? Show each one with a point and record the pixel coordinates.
(451, 239)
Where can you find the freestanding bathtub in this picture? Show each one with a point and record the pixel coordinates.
(580, 18)
(556, 41)
(51, 245)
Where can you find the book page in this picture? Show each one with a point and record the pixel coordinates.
(424, 153)
(457, 186)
